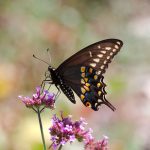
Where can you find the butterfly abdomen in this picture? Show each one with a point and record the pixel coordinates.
(67, 91)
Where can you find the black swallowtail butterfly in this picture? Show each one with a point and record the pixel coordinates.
(83, 73)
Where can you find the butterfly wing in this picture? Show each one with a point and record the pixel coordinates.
(83, 71)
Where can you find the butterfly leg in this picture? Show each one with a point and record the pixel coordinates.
(47, 80)
(49, 86)
(58, 92)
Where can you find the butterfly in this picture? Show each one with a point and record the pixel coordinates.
(83, 73)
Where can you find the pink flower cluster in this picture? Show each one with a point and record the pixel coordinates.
(91, 144)
(45, 99)
(65, 130)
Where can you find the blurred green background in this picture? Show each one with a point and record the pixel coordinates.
(30, 27)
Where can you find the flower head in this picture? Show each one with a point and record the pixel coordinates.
(45, 99)
(91, 144)
(65, 130)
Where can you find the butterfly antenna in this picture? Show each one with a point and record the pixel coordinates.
(40, 59)
(49, 54)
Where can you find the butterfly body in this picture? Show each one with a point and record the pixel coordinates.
(60, 83)
(83, 73)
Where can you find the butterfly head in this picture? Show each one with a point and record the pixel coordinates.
(51, 69)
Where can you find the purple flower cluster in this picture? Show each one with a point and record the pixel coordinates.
(65, 130)
(91, 144)
(45, 99)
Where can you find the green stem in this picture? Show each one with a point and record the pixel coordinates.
(60, 147)
(41, 128)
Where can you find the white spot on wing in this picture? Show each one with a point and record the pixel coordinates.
(116, 46)
(108, 57)
(102, 67)
(108, 48)
(111, 53)
(99, 100)
(105, 62)
(100, 55)
(118, 43)
(90, 53)
(93, 64)
(95, 104)
(96, 60)
(104, 52)
(99, 46)
(114, 50)
(99, 72)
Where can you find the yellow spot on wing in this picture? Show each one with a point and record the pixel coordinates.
(95, 77)
(82, 96)
(82, 69)
(91, 70)
(83, 75)
(86, 88)
(82, 81)
(98, 84)
(83, 90)
(87, 84)
(99, 93)
(85, 79)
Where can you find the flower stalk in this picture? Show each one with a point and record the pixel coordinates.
(41, 128)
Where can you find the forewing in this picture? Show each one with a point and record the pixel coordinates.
(97, 56)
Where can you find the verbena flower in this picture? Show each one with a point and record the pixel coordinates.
(45, 99)
(65, 130)
(91, 144)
